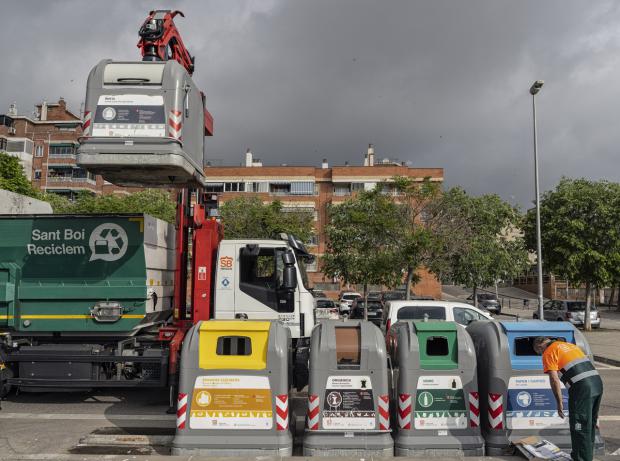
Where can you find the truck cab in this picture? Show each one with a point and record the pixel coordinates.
(265, 279)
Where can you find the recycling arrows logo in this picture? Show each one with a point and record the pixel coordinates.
(108, 242)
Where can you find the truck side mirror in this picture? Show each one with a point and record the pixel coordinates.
(289, 276)
(288, 258)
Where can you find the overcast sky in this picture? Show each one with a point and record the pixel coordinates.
(434, 83)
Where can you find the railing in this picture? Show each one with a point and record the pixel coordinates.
(58, 179)
(62, 155)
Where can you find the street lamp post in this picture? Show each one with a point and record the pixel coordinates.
(534, 89)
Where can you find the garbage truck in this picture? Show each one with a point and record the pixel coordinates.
(106, 300)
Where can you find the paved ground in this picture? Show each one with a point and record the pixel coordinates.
(32, 425)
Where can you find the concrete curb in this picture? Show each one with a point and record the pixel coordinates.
(607, 361)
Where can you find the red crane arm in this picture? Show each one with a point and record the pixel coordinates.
(160, 40)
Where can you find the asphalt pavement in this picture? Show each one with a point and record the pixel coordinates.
(134, 424)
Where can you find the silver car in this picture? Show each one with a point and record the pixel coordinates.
(570, 311)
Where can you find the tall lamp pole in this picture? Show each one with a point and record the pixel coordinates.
(534, 89)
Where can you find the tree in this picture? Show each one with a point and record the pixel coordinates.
(580, 233)
(363, 237)
(248, 217)
(13, 178)
(490, 249)
(418, 240)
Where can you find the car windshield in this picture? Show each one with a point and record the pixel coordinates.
(350, 297)
(487, 297)
(577, 306)
(301, 262)
(421, 312)
(372, 305)
(394, 295)
(324, 303)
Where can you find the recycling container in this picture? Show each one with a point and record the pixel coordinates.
(143, 124)
(516, 397)
(233, 392)
(348, 395)
(435, 390)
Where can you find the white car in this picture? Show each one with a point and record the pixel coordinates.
(433, 310)
(346, 300)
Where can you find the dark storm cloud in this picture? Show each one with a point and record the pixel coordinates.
(434, 83)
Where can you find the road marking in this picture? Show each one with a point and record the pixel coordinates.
(87, 416)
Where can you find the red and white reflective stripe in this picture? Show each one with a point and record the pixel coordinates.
(175, 124)
(313, 412)
(282, 412)
(384, 412)
(86, 126)
(404, 411)
(474, 409)
(181, 410)
(496, 411)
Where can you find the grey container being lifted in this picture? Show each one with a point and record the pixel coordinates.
(435, 396)
(143, 125)
(515, 395)
(233, 390)
(348, 394)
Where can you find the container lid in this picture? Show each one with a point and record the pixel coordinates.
(535, 326)
(421, 325)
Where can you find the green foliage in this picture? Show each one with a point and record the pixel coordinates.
(363, 240)
(489, 248)
(156, 202)
(580, 232)
(248, 217)
(13, 178)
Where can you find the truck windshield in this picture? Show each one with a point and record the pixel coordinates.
(301, 262)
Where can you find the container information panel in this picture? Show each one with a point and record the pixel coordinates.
(531, 404)
(231, 402)
(349, 403)
(130, 115)
(440, 403)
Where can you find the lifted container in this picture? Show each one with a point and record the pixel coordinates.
(144, 125)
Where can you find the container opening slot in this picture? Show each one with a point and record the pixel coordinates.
(234, 345)
(437, 346)
(525, 346)
(348, 346)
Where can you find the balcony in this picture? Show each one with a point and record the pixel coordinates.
(62, 155)
(70, 179)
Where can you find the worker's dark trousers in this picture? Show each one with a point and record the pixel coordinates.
(584, 399)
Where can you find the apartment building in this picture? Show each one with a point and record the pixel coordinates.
(46, 144)
(312, 189)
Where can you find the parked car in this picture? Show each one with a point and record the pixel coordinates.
(374, 296)
(570, 311)
(318, 293)
(487, 301)
(432, 310)
(346, 300)
(375, 310)
(326, 308)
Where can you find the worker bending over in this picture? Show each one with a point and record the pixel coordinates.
(567, 363)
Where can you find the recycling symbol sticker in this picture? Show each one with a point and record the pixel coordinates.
(108, 242)
(425, 399)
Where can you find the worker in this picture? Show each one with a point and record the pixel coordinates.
(565, 362)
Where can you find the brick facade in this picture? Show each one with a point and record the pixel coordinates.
(46, 144)
(328, 185)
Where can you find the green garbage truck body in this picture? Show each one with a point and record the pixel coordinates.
(92, 285)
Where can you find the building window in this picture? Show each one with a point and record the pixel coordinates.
(357, 186)
(312, 266)
(22, 145)
(214, 187)
(314, 240)
(37, 174)
(38, 151)
(280, 188)
(234, 187)
(341, 190)
(64, 150)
